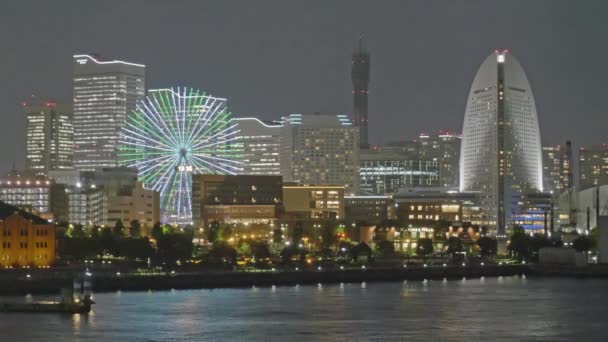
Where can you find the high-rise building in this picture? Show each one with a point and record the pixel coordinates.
(321, 150)
(39, 195)
(593, 166)
(384, 171)
(261, 141)
(105, 92)
(88, 205)
(49, 136)
(501, 152)
(557, 168)
(444, 148)
(360, 71)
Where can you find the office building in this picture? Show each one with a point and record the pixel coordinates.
(320, 149)
(314, 201)
(38, 195)
(383, 171)
(27, 240)
(500, 152)
(236, 199)
(557, 168)
(593, 166)
(88, 205)
(261, 141)
(49, 136)
(105, 92)
(134, 203)
(442, 147)
(360, 71)
(370, 210)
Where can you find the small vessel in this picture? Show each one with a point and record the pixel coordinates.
(75, 300)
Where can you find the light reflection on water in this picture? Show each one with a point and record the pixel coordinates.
(505, 308)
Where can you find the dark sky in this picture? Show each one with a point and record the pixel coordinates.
(275, 57)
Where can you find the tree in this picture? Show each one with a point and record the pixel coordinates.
(582, 243)
(174, 246)
(328, 235)
(107, 241)
(424, 247)
(119, 229)
(454, 245)
(134, 229)
(277, 235)
(212, 232)
(298, 232)
(361, 249)
(259, 250)
(519, 246)
(441, 228)
(157, 231)
(223, 252)
(385, 248)
(77, 231)
(226, 232)
(487, 246)
(95, 231)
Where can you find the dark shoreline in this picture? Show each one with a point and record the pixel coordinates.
(47, 282)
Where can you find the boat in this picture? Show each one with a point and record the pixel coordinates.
(75, 300)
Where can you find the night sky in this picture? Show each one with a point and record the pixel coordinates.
(271, 58)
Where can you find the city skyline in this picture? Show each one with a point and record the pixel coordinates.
(403, 99)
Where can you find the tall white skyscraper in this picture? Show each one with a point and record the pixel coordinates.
(105, 92)
(501, 151)
(320, 149)
(261, 142)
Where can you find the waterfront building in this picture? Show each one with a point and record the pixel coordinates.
(236, 199)
(314, 201)
(557, 168)
(593, 166)
(371, 210)
(500, 152)
(592, 203)
(39, 195)
(26, 239)
(320, 149)
(88, 205)
(383, 171)
(360, 71)
(442, 147)
(261, 141)
(49, 136)
(105, 92)
(534, 212)
(134, 203)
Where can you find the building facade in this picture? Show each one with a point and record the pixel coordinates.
(105, 92)
(360, 70)
(49, 136)
(366, 209)
(39, 195)
(384, 171)
(442, 147)
(134, 203)
(236, 199)
(26, 240)
(314, 201)
(320, 149)
(557, 168)
(501, 152)
(261, 141)
(593, 166)
(88, 206)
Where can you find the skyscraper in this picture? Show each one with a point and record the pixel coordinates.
(557, 168)
(261, 142)
(49, 136)
(105, 92)
(360, 70)
(592, 166)
(320, 149)
(501, 152)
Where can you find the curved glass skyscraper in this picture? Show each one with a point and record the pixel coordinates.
(501, 153)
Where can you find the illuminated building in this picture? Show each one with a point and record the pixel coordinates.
(134, 203)
(500, 152)
(592, 166)
(320, 149)
(105, 92)
(423, 207)
(386, 171)
(88, 205)
(314, 201)
(173, 134)
(442, 147)
(261, 142)
(557, 168)
(39, 195)
(236, 199)
(366, 209)
(360, 71)
(25, 239)
(49, 136)
(534, 212)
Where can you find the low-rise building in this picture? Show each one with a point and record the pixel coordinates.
(134, 203)
(366, 209)
(25, 239)
(314, 201)
(39, 195)
(87, 206)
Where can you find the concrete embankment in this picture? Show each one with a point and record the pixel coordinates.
(38, 283)
(589, 271)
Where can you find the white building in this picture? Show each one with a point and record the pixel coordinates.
(501, 151)
(105, 92)
(49, 141)
(321, 150)
(261, 146)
